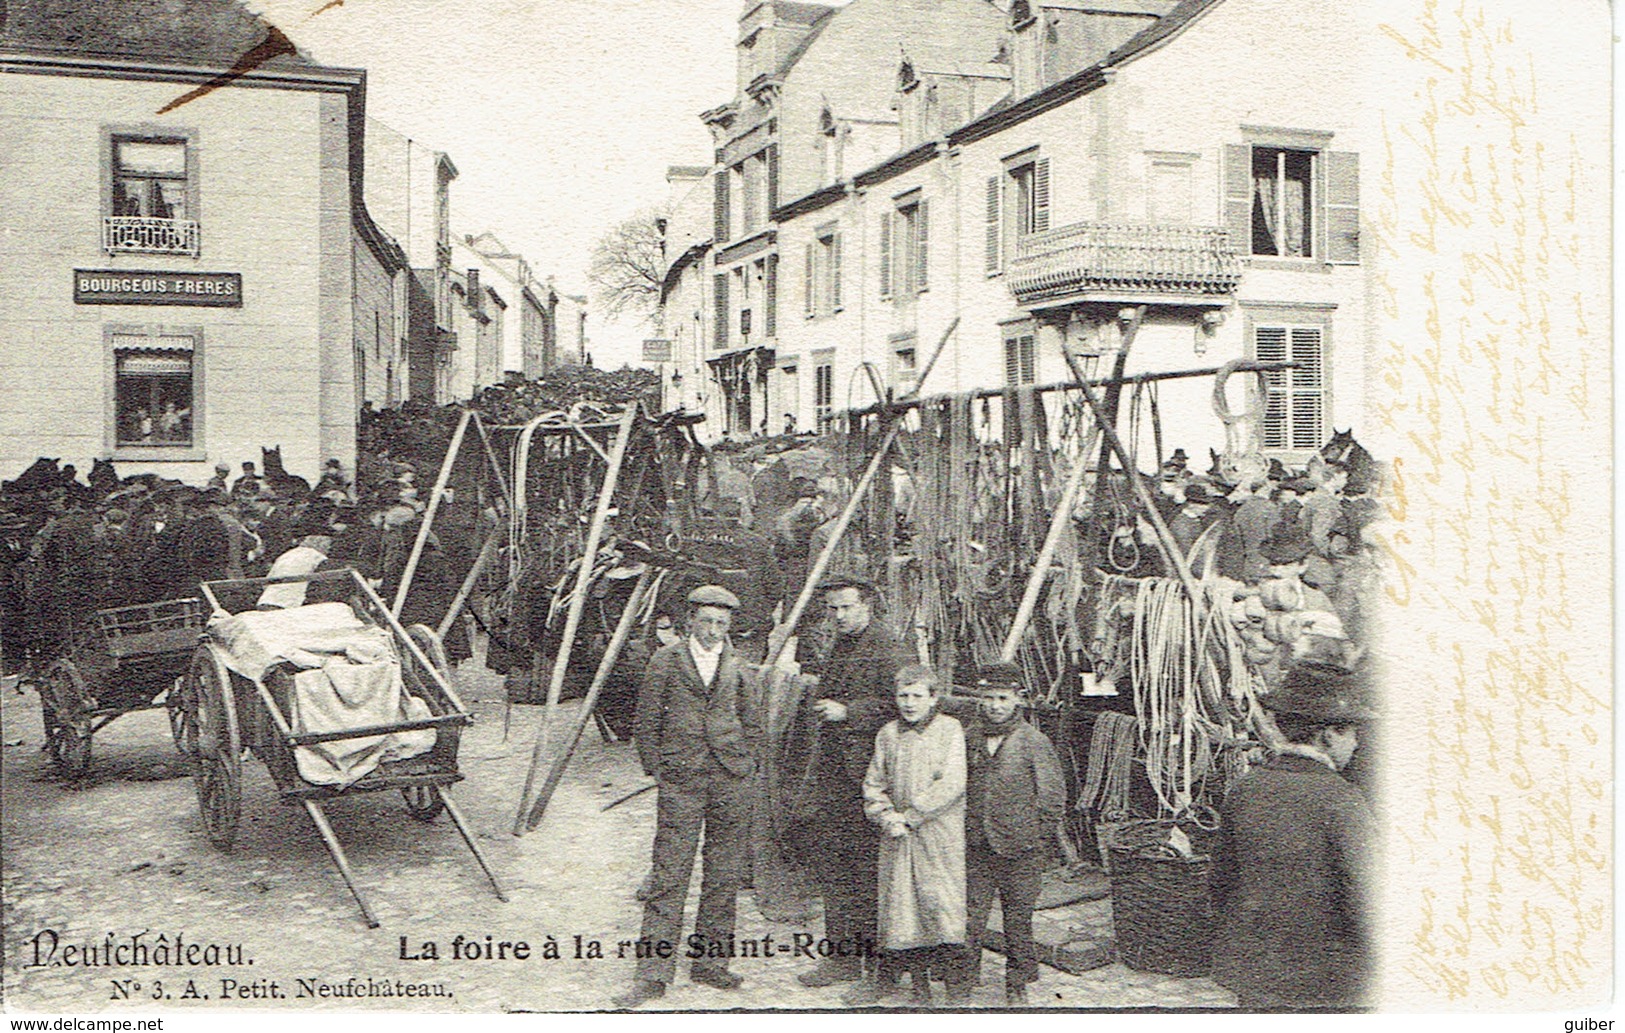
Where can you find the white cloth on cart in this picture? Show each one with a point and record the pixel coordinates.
(350, 678)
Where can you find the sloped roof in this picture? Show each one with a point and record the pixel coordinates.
(815, 15)
(192, 32)
(1183, 13)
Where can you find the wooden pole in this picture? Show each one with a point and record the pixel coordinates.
(486, 552)
(428, 516)
(816, 574)
(496, 464)
(1165, 538)
(623, 630)
(1059, 520)
(578, 599)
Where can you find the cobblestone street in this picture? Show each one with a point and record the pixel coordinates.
(124, 854)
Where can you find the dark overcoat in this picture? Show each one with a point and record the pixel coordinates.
(1290, 883)
(1016, 795)
(683, 726)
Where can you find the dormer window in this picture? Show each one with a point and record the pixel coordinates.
(1020, 14)
(905, 77)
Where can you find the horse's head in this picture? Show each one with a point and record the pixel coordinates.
(271, 458)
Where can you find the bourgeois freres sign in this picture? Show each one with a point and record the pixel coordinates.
(140, 287)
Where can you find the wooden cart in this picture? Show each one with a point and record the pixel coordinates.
(125, 660)
(230, 713)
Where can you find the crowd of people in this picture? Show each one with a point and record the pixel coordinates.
(71, 549)
(918, 807)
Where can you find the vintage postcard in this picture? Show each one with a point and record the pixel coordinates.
(857, 505)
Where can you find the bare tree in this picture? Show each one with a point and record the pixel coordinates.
(628, 264)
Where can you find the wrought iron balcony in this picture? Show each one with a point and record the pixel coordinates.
(136, 233)
(1113, 260)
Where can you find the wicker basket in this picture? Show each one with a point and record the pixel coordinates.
(1161, 911)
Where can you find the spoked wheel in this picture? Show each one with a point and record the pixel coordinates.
(66, 705)
(424, 802)
(215, 746)
(182, 706)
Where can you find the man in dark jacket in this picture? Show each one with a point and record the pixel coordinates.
(697, 734)
(853, 701)
(1292, 871)
(1014, 798)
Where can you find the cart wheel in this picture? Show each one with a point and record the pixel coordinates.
(428, 640)
(216, 748)
(64, 700)
(423, 802)
(182, 706)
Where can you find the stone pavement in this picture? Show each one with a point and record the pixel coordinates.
(123, 855)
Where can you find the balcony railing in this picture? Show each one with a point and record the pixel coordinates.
(121, 233)
(1124, 259)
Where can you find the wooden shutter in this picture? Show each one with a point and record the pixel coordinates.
(995, 229)
(1270, 345)
(835, 271)
(719, 229)
(922, 246)
(772, 178)
(885, 254)
(1341, 189)
(1040, 195)
(770, 297)
(719, 297)
(1238, 199)
(810, 280)
(1307, 407)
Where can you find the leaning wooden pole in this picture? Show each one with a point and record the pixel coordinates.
(821, 565)
(461, 598)
(617, 642)
(1165, 538)
(1046, 555)
(578, 599)
(428, 515)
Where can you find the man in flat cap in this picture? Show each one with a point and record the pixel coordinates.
(1291, 875)
(697, 733)
(853, 701)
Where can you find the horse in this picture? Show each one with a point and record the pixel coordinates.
(104, 479)
(1365, 473)
(278, 476)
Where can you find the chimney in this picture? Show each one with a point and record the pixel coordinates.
(476, 301)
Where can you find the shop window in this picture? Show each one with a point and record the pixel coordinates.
(154, 390)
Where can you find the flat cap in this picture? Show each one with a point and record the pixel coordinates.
(1000, 675)
(713, 595)
(839, 581)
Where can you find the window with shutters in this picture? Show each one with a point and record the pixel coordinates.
(1017, 205)
(722, 184)
(721, 315)
(823, 270)
(154, 390)
(905, 249)
(1020, 359)
(770, 298)
(1293, 199)
(1295, 409)
(823, 394)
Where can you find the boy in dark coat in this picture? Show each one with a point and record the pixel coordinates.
(1292, 870)
(1014, 799)
(697, 734)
